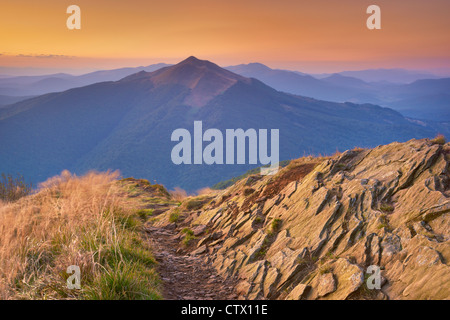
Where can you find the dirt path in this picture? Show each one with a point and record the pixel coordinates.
(186, 277)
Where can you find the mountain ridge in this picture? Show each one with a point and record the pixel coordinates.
(343, 87)
(127, 125)
(338, 87)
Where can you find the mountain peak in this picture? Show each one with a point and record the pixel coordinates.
(205, 79)
(194, 62)
(192, 59)
(259, 66)
(254, 67)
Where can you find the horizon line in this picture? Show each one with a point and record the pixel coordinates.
(15, 71)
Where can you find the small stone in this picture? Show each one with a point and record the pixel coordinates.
(200, 250)
(262, 199)
(198, 230)
(171, 226)
(202, 241)
(216, 235)
(299, 292)
(327, 284)
(214, 243)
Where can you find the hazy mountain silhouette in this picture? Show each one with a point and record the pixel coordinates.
(427, 98)
(389, 75)
(37, 85)
(127, 124)
(339, 79)
(296, 83)
(6, 100)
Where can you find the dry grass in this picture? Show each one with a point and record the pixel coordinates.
(439, 139)
(178, 194)
(13, 188)
(206, 192)
(74, 221)
(358, 149)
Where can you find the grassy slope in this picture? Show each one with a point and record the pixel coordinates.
(93, 222)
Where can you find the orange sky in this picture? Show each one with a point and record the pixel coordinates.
(306, 35)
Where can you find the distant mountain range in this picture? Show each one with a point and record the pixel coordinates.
(416, 95)
(6, 100)
(127, 124)
(400, 76)
(37, 85)
(426, 99)
(334, 88)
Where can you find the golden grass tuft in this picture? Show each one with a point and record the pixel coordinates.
(439, 139)
(206, 191)
(78, 221)
(178, 194)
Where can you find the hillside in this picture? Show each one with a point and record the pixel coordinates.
(93, 222)
(127, 125)
(311, 231)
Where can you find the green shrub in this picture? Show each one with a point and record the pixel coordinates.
(387, 207)
(194, 204)
(275, 226)
(188, 238)
(144, 213)
(187, 231)
(382, 225)
(259, 219)
(174, 217)
(384, 222)
(325, 269)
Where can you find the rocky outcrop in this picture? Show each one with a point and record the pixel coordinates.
(313, 230)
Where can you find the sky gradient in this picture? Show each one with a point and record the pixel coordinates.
(309, 36)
